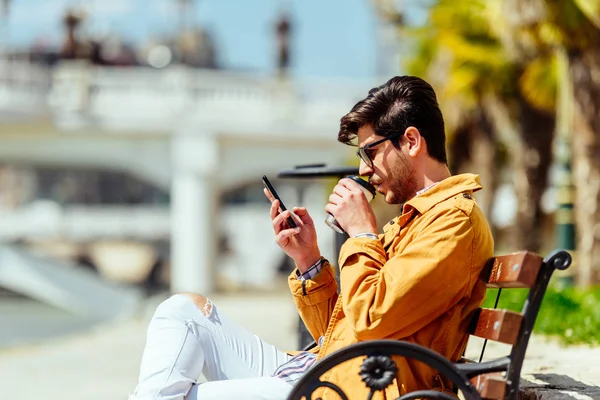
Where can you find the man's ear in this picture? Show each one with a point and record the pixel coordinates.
(414, 141)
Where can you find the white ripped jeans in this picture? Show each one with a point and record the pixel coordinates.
(183, 343)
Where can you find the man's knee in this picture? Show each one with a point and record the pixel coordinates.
(202, 303)
(181, 306)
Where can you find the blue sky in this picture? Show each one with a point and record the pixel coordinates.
(330, 37)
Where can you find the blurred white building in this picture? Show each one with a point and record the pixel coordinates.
(192, 136)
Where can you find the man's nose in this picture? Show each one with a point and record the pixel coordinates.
(364, 169)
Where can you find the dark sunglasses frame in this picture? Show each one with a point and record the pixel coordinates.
(363, 154)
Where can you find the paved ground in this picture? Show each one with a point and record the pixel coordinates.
(102, 364)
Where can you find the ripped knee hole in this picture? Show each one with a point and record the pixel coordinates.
(201, 302)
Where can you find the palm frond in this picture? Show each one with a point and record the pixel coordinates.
(591, 9)
(538, 83)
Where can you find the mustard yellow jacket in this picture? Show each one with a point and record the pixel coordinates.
(419, 283)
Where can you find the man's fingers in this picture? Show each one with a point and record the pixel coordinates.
(335, 198)
(274, 203)
(268, 194)
(296, 218)
(331, 209)
(278, 222)
(341, 189)
(288, 214)
(274, 211)
(282, 230)
(303, 215)
(348, 184)
(285, 234)
(299, 211)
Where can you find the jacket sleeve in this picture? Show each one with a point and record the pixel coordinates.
(315, 299)
(401, 295)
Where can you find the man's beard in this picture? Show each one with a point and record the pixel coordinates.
(403, 184)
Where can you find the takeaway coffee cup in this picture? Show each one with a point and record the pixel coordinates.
(367, 189)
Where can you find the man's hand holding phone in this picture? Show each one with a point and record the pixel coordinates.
(299, 242)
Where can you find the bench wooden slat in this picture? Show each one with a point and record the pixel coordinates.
(490, 386)
(516, 270)
(499, 325)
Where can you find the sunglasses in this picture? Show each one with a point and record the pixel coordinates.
(363, 152)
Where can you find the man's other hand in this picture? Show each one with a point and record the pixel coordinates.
(351, 208)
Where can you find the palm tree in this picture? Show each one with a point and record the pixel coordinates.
(486, 94)
(574, 27)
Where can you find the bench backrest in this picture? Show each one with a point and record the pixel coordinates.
(517, 270)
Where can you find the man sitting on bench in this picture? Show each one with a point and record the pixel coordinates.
(419, 281)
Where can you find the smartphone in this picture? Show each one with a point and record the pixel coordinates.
(282, 208)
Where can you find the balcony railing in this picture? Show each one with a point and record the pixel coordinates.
(151, 99)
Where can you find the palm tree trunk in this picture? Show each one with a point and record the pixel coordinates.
(531, 163)
(584, 72)
(529, 144)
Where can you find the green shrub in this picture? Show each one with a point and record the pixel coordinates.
(571, 314)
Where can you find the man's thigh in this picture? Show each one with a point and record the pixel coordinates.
(265, 388)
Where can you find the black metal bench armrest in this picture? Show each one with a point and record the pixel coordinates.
(473, 369)
(374, 350)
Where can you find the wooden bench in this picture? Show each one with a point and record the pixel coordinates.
(494, 379)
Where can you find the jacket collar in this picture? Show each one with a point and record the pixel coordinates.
(443, 190)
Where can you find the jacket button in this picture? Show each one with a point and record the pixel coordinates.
(467, 196)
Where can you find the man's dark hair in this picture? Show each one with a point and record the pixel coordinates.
(401, 102)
